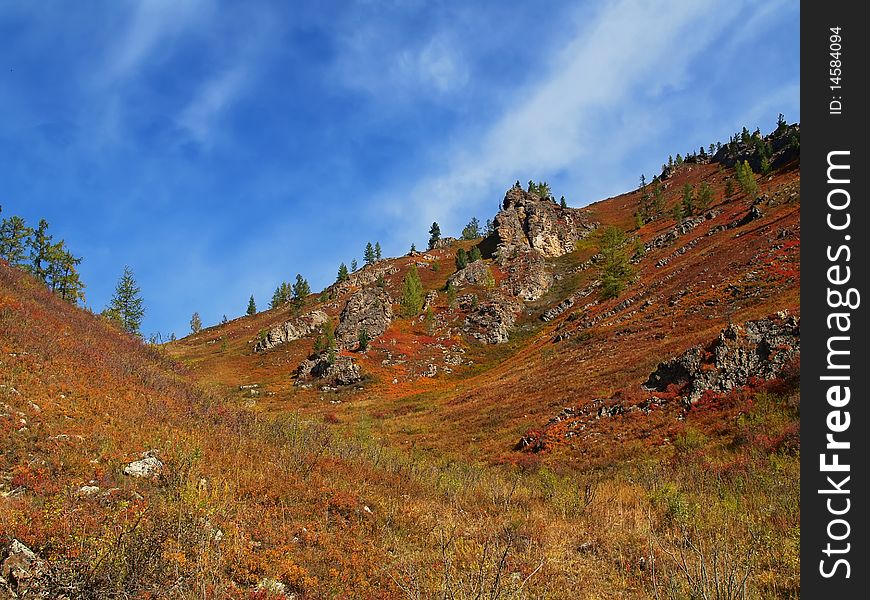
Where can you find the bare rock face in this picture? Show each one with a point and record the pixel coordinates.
(371, 309)
(491, 321)
(528, 277)
(148, 466)
(475, 273)
(528, 222)
(761, 349)
(292, 330)
(337, 370)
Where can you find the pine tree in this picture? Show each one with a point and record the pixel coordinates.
(679, 160)
(224, 320)
(461, 259)
(746, 178)
(413, 248)
(688, 200)
(451, 294)
(301, 290)
(62, 277)
(562, 202)
(434, 235)
(126, 305)
(616, 268)
(642, 181)
(377, 251)
(363, 339)
(40, 246)
(369, 254)
(342, 273)
(195, 323)
(474, 255)
(252, 306)
(472, 230)
(490, 226)
(780, 123)
(353, 266)
(705, 195)
(14, 240)
(412, 293)
(729, 187)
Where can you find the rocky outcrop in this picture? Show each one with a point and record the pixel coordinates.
(569, 302)
(491, 321)
(329, 369)
(444, 242)
(783, 144)
(528, 222)
(758, 349)
(475, 273)
(680, 229)
(293, 329)
(527, 276)
(369, 308)
(22, 573)
(367, 275)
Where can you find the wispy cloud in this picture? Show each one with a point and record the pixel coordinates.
(557, 121)
(200, 118)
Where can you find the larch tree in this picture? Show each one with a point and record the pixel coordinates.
(126, 306)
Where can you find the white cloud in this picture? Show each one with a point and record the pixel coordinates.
(200, 117)
(152, 22)
(556, 122)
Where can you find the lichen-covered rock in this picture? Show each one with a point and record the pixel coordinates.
(760, 349)
(491, 321)
(367, 275)
(528, 222)
(430, 300)
(334, 370)
(293, 329)
(371, 309)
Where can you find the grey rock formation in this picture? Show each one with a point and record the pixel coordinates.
(367, 275)
(293, 329)
(528, 277)
(528, 222)
(22, 573)
(369, 308)
(491, 321)
(341, 370)
(761, 349)
(476, 273)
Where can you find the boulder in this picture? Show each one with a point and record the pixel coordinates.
(148, 466)
(335, 370)
(293, 329)
(369, 308)
(759, 349)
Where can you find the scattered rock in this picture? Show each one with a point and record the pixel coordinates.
(87, 490)
(430, 300)
(475, 273)
(291, 330)
(22, 573)
(761, 349)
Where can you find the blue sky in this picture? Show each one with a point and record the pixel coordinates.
(219, 148)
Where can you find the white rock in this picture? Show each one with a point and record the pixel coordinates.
(88, 490)
(148, 466)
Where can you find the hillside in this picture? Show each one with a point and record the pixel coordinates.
(529, 438)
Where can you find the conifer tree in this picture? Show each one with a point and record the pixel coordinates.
(461, 259)
(62, 276)
(616, 266)
(412, 293)
(126, 305)
(353, 266)
(474, 255)
(252, 306)
(688, 200)
(472, 230)
(562, 202)
(195, 323)
(14, 240)
(434, 235)
(369, 254)
(451, 294)
(490, 227)
(342, 273)
(40, 247)
(301, 290)
(705, 195)
(377, 251)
